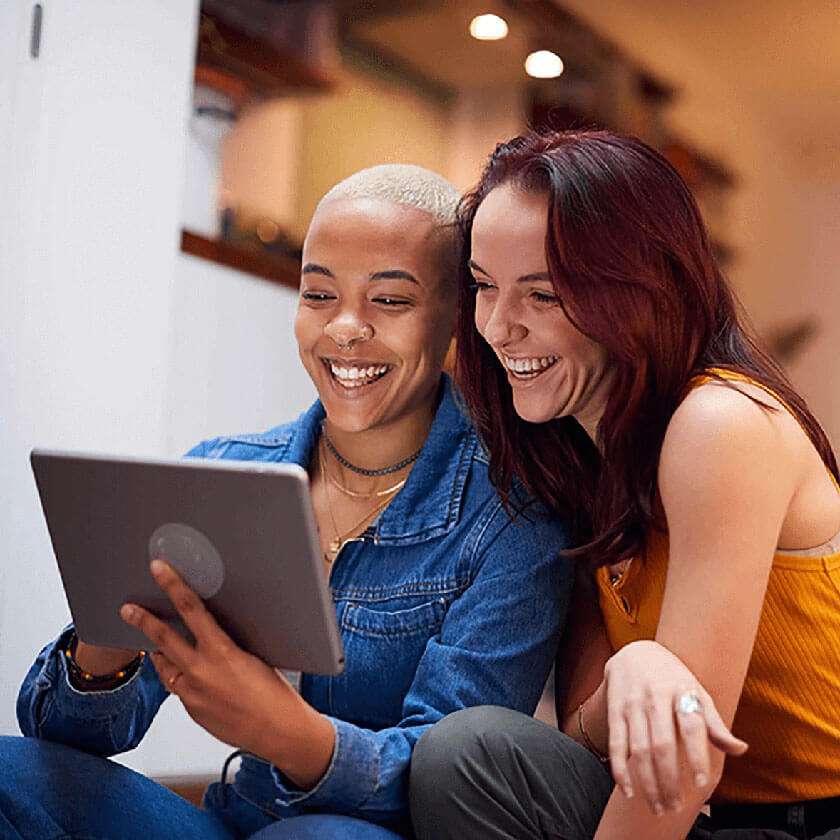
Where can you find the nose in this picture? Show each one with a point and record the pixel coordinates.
(502, 326)
(348, 328)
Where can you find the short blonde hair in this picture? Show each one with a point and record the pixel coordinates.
(404, 184)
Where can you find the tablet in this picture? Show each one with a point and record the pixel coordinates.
(242, 534)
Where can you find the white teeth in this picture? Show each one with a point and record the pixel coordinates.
(354, 377)
(529, 367)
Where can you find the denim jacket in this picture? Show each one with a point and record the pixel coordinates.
(444, 602)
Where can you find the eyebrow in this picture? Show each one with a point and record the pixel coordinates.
(388, 274)
(525, 278)
(394, 274)
(314, 268)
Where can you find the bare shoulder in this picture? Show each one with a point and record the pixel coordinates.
(737, 413)
(730, 428)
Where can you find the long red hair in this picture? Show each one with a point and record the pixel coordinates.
(632, 263)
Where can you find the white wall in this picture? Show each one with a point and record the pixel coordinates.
(233, 363)
(111, 339)
(96, 158)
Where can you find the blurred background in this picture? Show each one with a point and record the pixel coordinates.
(159, 162)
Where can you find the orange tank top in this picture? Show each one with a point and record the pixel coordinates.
(789, 711)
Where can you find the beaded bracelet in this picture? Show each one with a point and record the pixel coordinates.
(587, 741)
(85, 679)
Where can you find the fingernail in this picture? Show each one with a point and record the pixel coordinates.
(658, 809)
(700, 779)
(127, 612)
(157, 566)
(628, 791)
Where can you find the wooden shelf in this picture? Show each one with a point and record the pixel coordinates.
(284, 271)
(241, 58)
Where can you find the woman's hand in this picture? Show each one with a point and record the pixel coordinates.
(656, 709)
(233, 695)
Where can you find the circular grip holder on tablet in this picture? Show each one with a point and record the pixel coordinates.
(191, 554)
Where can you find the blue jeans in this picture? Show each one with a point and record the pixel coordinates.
(52, 792)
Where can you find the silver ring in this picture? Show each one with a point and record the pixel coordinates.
(688, 703)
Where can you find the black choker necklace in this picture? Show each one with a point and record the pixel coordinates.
(361, 470)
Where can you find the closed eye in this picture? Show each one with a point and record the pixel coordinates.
(317, 297)
(387, 300)
(545, 297)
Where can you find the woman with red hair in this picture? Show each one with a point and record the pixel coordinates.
(607, 368)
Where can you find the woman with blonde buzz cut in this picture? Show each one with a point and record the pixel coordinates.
(442, 599)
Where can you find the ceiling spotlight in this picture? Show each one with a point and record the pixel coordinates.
(488, 28)
(544, 64)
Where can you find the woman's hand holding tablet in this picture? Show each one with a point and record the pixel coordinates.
(232, 694)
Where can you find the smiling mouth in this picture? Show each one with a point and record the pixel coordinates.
(525, 369)
(354, 375)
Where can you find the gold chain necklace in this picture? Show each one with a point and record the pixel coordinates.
(340, 538)
(335, 482)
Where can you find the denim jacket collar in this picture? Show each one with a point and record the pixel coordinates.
(430, 503)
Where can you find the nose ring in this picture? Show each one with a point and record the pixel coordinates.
(366, 334)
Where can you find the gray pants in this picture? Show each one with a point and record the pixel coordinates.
(489, 773)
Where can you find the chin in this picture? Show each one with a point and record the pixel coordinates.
(534, 413)
(345, 418)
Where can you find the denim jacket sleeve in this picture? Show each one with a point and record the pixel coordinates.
(496, 646)
(99, 722)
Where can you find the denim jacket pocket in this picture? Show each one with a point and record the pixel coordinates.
(382, 650)
(422, 619)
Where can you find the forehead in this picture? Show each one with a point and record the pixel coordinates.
(372, 235)
(508, 214)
